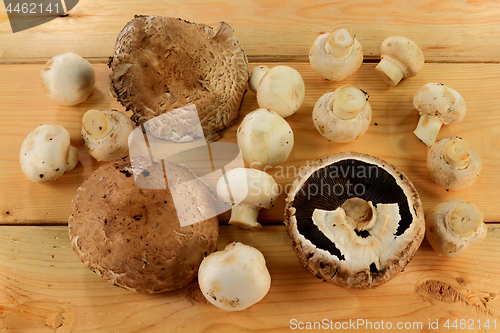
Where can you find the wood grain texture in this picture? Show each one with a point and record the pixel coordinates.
(446, 30)
(45, 288)
(24, 106)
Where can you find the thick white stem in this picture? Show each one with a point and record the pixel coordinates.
(465, 219)
(428, 128)
(339, 43)
(97, 124)
(348, 102)
(389, 71)
(245, 217)
(457, 153)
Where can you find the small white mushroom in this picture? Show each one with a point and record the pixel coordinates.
(265, 139)
(249, 190)
(282, 90)
(46, 154)
(105, 134)
(235, 278)
(343, 115)
(336, 55)
(453, 164)
(68, 79)
(453, 226)
(257, 75)
(400, 58)
(437, 105)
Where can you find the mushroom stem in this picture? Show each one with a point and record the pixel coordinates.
(428, 128)
(96, 124)
(257, 75)
(389, 71)
(359, 211)
(339, 43)
(72, 159)
(245, 217)
(349, 101)
(465, 219)
(457, 153)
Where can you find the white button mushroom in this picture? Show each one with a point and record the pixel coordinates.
(265, 139)
(400, 58)
(453, 164)
(343, 115)
(257, 75)
(46, 154)
(249, 190)
(234, 279)
(105, 134)
(68, 79)
(282, 90)
(336, 55)
(453, 226)
(437, 105)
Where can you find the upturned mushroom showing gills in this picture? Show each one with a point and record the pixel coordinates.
(235, 278)
(343, 115)
(163, 63)
(453, 164)
(68, 79)
(354, 220)
(453, 226)
(400, 58)
(105, 134)
(282, 90)
(437, 104)
(265, 139)
(46, 154)
(336, 55)
(248, 190)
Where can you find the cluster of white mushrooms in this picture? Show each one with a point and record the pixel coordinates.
(46, 153)
(237, 277)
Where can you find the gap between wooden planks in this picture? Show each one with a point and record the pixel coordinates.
(44, 287)
(447, 30)
(25, 106)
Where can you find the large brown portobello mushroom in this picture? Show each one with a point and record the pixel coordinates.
(354, 220)
(164, 63)
(131, 235)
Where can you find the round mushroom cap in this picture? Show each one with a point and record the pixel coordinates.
(406, 52)
(438, 100)
(330, 241)
(282, 90)
(332, 68)
(131, 235)
(164, 63)
(46, 154)
(447, 176)
(336, 129)
(68, 79)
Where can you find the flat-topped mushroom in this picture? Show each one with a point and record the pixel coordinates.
(354, 220)
(132, 235)
(164, 63)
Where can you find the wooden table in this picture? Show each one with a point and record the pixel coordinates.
(45, 288)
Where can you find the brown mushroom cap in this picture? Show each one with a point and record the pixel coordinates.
(164, 63)
(131, 235)
(347, 262)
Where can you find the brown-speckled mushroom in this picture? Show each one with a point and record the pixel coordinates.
(354, 220)
(131, 235)
(163, 63)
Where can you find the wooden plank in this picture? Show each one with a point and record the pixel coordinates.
(447, 30)
(24, 106)
(45, 288)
